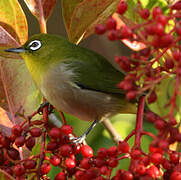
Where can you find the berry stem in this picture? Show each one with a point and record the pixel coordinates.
(63, 117)
(139, 122)
(42, 155)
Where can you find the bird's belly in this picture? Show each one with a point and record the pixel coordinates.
(83, 104)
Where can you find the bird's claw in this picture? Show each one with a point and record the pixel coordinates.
(79, 140)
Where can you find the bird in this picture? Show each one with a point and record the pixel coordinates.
(74, 79)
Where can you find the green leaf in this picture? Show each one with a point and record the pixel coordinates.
(165, 91)
(35, 8)
(13, 21)
(132, 14)
(81, 18)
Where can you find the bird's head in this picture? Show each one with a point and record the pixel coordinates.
(41, 51)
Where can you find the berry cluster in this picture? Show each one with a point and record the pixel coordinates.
(145, 69)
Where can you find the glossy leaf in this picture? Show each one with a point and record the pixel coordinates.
(34, 7)
(85, 16)
(12, 22)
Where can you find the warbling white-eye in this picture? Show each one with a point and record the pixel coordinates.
(73, 79)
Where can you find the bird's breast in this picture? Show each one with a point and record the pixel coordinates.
(60, 90)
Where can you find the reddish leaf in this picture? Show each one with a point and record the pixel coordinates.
(18, 88)
(13, 20)
(5, 122)
(134, 45)
(68, 8)
(85, 16)
(35, 8)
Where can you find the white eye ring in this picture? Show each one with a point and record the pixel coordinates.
(35, 45)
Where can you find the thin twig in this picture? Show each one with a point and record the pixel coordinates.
(111, 130)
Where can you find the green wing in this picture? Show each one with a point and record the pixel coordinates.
(94, 72)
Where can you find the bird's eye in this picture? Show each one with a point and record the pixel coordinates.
(35, 45)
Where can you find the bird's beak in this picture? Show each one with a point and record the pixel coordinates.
(15, 50)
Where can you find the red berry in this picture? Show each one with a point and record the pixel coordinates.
(55, 160)
(140, 169)
(156, 158)
(124, 33)
(136, 154)
(113, 162)
(153, 172)
(122, 7)
(5, 141)
(29, 164)
(66, 150)
(112, 35)
(152, 97)
(160, 124)
(150, 116)
(45, 168)
(175, 175)
(111, 23)
(19, 170)
(145, 52)
(70, 163)
(163, 144)
(178, 29)
(145, 13)
(16, 130)
(85, 163)
(13, 153)
(174, 157)
(159, 29)
(169, 64)
(102, 152)
(177, 55)
(9, 171)
(166, 164)
(55, 133)
(127, 175)
(86, 151)
(30, 142)
(130, 95)
(100, 29)
(113, 151)
(36, 132)
(162, 19)
(177, 6)
(51, 146)
(19, 141)
(104, 170)
(156, 12)
(79, 174)
(60, 176)
(166, 40)
(123, 147)
(66, 129)
(99, 162)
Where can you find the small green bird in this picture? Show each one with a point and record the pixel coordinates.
(73, 79)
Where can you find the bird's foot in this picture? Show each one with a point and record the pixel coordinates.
(79, 140)
(44, 104)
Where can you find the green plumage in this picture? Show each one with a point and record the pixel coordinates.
(74, 79)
